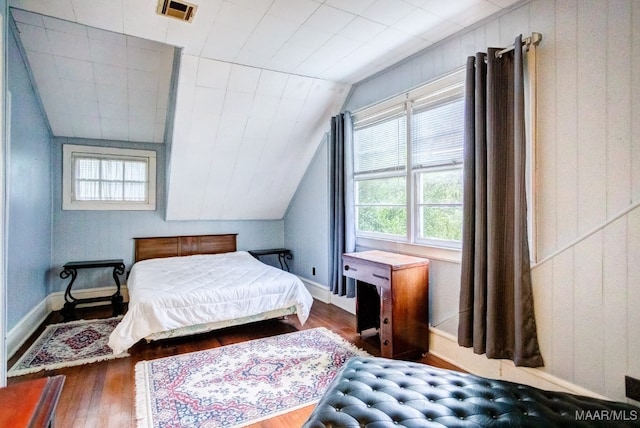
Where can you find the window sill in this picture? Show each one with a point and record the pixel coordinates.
(452, 255)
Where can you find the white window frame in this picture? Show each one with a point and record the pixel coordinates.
(418, 190)
(373, 176)
(68, 201)
(440, 89)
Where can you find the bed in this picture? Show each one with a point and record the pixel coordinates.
(184, 285)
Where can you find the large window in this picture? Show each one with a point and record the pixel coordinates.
(102, 178)
(408, 166)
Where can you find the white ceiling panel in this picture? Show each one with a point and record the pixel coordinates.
(243, 79)
(354, 6)
(362, 29)
(329, 19)
(295, 11)
(100, 14)
(34, 37)
(90, 76)
(388, 12)
(111, 76)
(257, 83)
(104, 53)
(115, 129)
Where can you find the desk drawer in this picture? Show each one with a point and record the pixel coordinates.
(379, 275)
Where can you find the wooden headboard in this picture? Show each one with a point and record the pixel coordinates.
(170, 246)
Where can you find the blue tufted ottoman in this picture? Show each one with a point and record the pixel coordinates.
(376, 392)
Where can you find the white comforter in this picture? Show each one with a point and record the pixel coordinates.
(174, 292)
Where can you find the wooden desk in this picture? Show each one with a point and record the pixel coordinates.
(30, 404)
(71, 270)
(392, 296)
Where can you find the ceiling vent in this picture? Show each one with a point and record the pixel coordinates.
(177, 9)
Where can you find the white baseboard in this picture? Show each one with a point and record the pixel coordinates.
(53, 302)
(445, 346)
(26, 327)
(322, 293)
(317, 290)
(346, 303)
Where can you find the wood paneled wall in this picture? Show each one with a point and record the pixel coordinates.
(587, 294)
(587, 288)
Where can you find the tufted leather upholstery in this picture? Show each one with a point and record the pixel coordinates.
(377, 392)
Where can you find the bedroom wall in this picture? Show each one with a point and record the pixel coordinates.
(587, 192)
(306, 231)
(92, 235)
(28, 178)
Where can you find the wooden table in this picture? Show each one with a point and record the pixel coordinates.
(30, 404)
(283, 254)
(71, 270)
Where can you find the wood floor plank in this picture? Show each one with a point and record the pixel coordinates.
(103, 394)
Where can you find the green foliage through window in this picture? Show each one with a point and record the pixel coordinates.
(414, 143)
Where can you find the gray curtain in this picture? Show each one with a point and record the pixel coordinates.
(496, 302)
(340, 242)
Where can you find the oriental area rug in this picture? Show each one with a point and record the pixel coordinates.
(239, 384)
(68, 344)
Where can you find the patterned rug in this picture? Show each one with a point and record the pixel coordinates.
(68, 344)
(240, 384)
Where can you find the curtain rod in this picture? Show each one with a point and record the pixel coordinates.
(534, 39)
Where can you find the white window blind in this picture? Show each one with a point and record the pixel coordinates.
(438, 134)
(381, 146)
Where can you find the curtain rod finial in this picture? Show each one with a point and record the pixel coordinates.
(536, 38)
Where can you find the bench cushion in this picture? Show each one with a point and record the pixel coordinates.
(377, 392)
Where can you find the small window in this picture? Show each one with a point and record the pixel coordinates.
(104, 178)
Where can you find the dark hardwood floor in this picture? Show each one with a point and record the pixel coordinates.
(102, 395)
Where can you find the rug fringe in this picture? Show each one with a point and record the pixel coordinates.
(20, 372)
(336, 337)
(142, 403)
(83, 321)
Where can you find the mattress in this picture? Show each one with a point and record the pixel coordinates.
(177, 292)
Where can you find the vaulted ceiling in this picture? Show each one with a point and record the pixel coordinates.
(257, 82)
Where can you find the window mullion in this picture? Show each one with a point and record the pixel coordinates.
(100, 181)
(410, 177)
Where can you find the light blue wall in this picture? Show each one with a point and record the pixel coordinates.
(306, 230)
(94, 235)
(29, 193)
